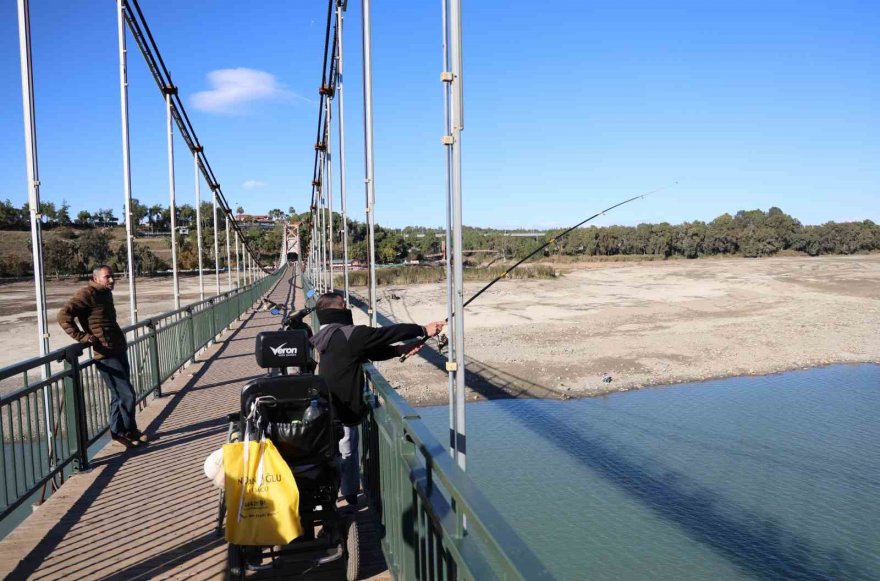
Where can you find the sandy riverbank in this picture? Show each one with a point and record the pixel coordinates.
(648, 323)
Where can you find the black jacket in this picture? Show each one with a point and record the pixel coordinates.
(341, 360)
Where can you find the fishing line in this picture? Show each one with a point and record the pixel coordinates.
(550, 241)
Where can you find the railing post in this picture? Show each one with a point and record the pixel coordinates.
(406, 505)
(213, 320)
(192, 333)
(75, 403)
(153, 341)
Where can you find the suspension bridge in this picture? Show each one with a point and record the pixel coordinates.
(73, 507)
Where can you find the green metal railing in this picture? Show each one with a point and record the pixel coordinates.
(47, 425)
(435, 522)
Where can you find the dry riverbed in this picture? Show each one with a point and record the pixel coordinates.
(18, 319)
(647, 323)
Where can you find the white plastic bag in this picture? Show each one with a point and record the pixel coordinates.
(214, 468)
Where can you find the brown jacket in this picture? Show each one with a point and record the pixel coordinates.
(92, 308)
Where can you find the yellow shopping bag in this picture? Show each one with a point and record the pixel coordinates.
(262, 499)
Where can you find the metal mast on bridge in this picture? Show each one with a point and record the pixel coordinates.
(33, 172)
(216, 243)
(340, 8)
(33, 177)
(454, 99)
(126, 158)
(196, 151)
(368, 153)
(170, 90)
(328, 164)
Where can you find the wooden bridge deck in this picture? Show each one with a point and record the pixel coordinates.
(150, 513)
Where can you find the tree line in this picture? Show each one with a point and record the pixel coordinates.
(76, 245)
(77, 248)
(153, 218)
(748, 233)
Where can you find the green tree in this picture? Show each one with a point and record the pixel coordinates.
(11, 217)
(138, 212)
(721, 236)
(156, 217)
(47, 209)
(186, 215)
(145, 262)
(60, 257)
(63, 215)
(92, 249)
(690, 239)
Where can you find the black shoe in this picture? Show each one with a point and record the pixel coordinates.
(351, 499)
(123, 441)
(138, 436)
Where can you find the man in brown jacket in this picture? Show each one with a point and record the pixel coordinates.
(90, 318)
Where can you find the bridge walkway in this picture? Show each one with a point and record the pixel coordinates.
(150, 513)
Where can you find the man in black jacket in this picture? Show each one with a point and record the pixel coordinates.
(343, 348)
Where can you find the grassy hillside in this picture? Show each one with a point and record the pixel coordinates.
(16, 243)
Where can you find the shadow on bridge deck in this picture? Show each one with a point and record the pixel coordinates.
(151, 513)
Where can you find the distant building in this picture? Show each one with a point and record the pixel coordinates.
(264, 221)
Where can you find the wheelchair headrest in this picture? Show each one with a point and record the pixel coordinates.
(282, 349)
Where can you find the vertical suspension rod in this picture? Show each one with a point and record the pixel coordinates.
(368, 153)
(216, 243)
(33, 185)
(126, 158)
(457, 125)
(328, 164)
(237, 260)
(340, 8)
(447, 131)
(228, 255)
(199, 223)
(172, 193)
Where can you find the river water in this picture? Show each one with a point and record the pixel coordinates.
(773, 477)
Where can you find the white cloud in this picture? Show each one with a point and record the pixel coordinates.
(233, 89)
(254, 185)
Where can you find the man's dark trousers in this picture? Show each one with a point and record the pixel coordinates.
(115, 370)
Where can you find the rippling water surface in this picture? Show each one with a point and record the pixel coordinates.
(756, 477)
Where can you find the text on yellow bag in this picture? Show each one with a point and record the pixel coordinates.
(262, 499)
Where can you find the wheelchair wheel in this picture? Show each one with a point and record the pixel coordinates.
(352, 549)
(235, 566)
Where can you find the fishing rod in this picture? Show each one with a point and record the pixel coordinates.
(539, 249)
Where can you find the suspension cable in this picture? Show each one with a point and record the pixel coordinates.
(139, 28)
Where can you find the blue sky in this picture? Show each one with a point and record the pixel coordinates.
(568, 110)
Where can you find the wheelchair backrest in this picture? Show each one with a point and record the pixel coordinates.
(295, 390)
(284, 400)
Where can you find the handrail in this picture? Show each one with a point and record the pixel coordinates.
(48, 424)
(32, 363)
(436, 521)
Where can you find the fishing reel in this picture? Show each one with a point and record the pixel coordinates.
(442, 343)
